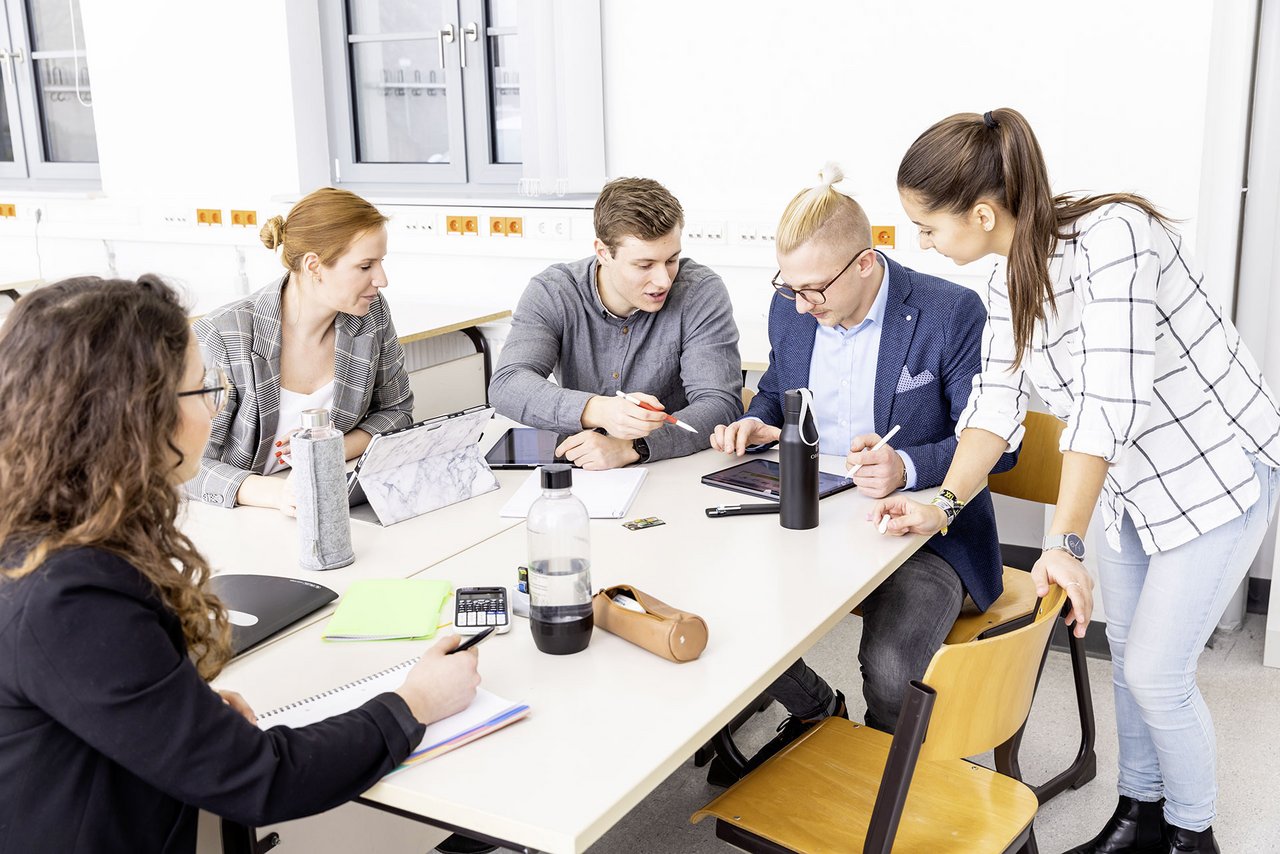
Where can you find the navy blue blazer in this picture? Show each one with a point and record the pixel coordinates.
(930, 350)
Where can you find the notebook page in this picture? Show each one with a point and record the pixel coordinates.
(607, 494)
(335, 701)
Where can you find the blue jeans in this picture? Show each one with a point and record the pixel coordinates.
(1161, 610)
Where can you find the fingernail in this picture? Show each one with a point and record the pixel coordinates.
(278, 444)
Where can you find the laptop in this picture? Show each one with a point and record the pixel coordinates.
(423, 467)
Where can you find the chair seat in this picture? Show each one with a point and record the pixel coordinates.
(1016, 604)
(817, 795)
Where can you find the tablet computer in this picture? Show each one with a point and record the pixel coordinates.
(407, 444)
(524, 448)
(763, 478)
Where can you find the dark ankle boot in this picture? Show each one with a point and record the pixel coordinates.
(1136, 827)
(1182, 841)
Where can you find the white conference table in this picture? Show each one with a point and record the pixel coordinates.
(609, 724)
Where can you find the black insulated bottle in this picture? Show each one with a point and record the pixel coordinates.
(798, 459)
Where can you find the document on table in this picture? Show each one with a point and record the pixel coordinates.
(607, 494)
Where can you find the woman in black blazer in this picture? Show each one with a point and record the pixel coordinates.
(110, 737)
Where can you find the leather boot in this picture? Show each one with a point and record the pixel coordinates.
(1136, 827)
(1182, 841)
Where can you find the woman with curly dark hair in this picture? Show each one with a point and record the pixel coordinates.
(110, 737)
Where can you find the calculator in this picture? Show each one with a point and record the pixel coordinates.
(477, 608)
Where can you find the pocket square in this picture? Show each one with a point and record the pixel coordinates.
(906, 382)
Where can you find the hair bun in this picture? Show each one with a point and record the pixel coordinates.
(272, 232)
(829, 174)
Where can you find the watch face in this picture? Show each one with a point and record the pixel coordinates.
(1075, 545)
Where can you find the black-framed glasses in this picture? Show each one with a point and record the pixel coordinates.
(813, 296)
(213, 387)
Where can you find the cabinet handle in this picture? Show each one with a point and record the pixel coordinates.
(446, 37)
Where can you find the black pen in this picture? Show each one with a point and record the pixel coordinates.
(723, 510)
(472, 641)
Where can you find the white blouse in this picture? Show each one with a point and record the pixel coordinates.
(1147, 373)
(291, 405)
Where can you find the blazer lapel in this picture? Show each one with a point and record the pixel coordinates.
(266, 367)
(900, 321)
(798, 345)
(352, 368)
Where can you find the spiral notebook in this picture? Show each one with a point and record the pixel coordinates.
(487, 713)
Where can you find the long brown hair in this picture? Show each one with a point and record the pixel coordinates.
(967, 158)
(89, 375)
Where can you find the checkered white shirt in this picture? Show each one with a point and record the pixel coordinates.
(1146, 372)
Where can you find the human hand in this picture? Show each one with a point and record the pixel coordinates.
(595, 451)
(735, 437)
(240, 704)
(907, 517)
(440, 685)
(621, 418)
(284, 448)
(1055, 566)
(882, 471)
(287, 500)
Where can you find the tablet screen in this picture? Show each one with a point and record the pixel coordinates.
(523, 448)
(763, 478)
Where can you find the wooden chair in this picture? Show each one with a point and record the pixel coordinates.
(846, 787)
(1036, 477)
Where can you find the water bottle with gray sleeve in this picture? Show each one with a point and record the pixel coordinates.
(320, 485)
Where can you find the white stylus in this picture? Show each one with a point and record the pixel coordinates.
(670, 419)
(884, 524)
(879, 445)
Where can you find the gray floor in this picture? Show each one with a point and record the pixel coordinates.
(1243, 695)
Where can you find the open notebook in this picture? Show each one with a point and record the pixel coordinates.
(607, 494)
(488, 712)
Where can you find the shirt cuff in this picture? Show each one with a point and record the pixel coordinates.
(911, 469)
(401, 731)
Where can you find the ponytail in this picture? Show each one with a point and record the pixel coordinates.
(967, 158)
(822, 208)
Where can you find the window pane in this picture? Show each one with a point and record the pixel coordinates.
(504, 81)
(401, 102)
(6, 135)
(372, 17)
(66, 106)
(51, 25)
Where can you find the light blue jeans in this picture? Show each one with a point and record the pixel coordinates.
(1161, 610)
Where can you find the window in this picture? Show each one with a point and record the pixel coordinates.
(46, 101)
(423, 91)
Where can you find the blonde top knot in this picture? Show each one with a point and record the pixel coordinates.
(272, 233)
(829, 174)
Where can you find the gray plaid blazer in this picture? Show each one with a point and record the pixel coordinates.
(370, 385)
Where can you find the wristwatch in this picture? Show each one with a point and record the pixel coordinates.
(1072, 544)
(641, 447)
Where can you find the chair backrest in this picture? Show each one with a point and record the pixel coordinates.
(1039, 469)
(984, 688)
(748, 394)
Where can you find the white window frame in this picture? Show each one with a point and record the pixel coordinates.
(22, 94)
(561, 104)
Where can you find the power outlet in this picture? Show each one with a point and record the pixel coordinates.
(713, 232)
(422, 226)
(244, 218)
(462, 224)
(883, 236)
(8, 211)
(208, 216)
(552, 228)
(176, 216)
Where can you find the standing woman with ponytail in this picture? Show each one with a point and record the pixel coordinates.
(1168, 421)
(321, 336)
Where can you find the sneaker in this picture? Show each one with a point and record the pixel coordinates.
(719, 772)
(459, 844)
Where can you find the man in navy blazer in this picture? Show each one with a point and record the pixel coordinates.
(879, 345)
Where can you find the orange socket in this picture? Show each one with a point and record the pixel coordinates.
(882, 235)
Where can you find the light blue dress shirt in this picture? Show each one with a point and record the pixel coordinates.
(842, 376)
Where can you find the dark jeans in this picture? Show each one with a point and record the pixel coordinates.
(904, 622)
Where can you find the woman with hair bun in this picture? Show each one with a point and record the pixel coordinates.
(321, 336)
(1169, 422)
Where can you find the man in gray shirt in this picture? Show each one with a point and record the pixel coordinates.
(636, 318)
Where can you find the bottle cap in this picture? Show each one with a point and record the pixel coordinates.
(558, 476)
(315, 418)
(792, 402)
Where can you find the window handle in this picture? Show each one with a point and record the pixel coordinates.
(472, 32)
(8, 58)
(447, 36)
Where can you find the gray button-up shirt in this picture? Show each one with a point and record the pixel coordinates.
(685, 354)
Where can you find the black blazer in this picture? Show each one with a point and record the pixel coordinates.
(110, 740)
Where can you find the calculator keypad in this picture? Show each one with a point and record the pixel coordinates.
(483, 610)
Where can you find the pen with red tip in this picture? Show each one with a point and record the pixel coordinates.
(670, 419)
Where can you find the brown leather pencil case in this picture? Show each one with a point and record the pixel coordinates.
(664, 631)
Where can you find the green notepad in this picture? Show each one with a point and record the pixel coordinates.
(388, 609)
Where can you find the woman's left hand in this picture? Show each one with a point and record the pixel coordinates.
(1057, 567)
(240, 704)
(284, 448)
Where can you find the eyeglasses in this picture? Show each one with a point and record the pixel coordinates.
(813, 296)
(214, 387)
